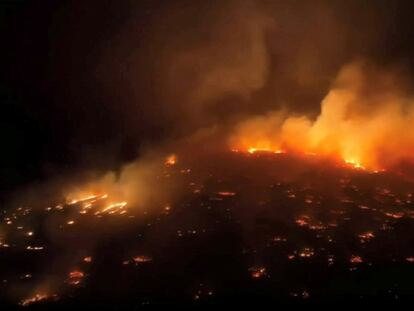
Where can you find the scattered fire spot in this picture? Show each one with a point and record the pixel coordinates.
(171, 160)
(366, 236)
(306, 252)
(141, 259)
(257, 272)
(75, 277)
(227, 193)
(302, 221)
(395, 215)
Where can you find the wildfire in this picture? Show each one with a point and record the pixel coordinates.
(97, 203)
(349, 162)
(355, 259)
(88, 198)
(34, 248)
(366, 236)
(35, 298)
(354, 163)
(112, 208)
(397, 215)
(75, 277)
(137, 260)
(141, 259)
(302, 221)
(257, 272)
(88, 259)
(306, 252)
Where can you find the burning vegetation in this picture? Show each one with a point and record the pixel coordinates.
(363, 127)
(295, 225)
(246, 158)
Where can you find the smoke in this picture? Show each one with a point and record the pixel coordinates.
(130, 84)
(233, 60)
(365, 119)
(204, 65)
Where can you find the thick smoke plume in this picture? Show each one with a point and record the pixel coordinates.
(365, 120)
(134, 83)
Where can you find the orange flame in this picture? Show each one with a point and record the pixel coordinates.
(365, 122)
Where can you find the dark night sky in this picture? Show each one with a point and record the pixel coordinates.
(80, 81)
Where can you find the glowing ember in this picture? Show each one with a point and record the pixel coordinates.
(112, 208)
(141, 259)
(227, 193)
(171, 160)
(34, 299)
(366, 236)
(86, 199)
(306, 252)
(34, 248)
(307, 212)
(302, 221)
(395, 215)
(257, 272)
(343, 129)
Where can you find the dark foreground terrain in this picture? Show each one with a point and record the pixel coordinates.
(248, 228)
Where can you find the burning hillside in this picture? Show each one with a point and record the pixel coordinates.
(251, 222)
(202, 152)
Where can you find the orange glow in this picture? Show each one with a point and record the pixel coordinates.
(35, 298)
(397, 215)
(171, 160)
(264, 149)
(362, 128)
(84, 198)
(354, 163)
(257, 272)
(112, 208)
(349, 162)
